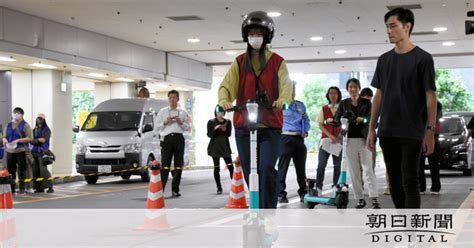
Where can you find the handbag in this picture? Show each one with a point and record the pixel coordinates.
(48, 157)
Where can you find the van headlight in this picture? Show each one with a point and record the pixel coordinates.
(133, 148)
(81, 149)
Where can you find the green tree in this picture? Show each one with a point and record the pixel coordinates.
(452, 93)
(81, 101)
(314, 97)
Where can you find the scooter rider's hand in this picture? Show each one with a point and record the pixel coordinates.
(168, 120)
(358, 120)
(226, 106)
(278, 104)
(428, 143)
(178, 120)
(371, 140)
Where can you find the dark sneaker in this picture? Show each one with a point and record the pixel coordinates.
(433, 192)
(39, 191)
(361, 204)
(176, 194)
(219, 191)
(50, 190)
(375, 203)
(283, 199)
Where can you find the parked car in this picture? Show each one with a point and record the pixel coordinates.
(470, 146)
(453, 153)
(119, 134)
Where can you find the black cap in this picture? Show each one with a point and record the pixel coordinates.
(19, 110)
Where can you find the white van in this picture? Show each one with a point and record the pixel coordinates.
(119, 134)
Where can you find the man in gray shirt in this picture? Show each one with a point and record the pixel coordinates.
(172, 123)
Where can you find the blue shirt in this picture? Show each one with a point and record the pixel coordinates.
(295, 118)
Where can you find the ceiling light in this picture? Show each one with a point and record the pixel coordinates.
(123, 79)
(161, 85)
(193, 40)
(7, 59)
(449, 43)
(440, 29)
(181, 89)
(316, 38)
(231, 52)
(340, 51)
(97, 75)
(41, 65)
(274, 14)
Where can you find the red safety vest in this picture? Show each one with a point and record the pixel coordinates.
(268, 81)
(328, 114)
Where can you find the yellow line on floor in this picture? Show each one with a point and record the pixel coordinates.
(85, 194)
(469, 201)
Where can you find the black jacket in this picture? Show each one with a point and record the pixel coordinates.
(219, 145)
(364, 107)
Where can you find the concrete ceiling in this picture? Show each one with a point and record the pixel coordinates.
(353, 25)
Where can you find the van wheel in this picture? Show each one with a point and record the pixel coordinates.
(91, 179)
(126, 176)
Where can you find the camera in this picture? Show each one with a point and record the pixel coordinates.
(262, 99)
(470, 24)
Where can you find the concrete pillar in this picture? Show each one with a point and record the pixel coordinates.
(21, 90)
(49, 98)
(107, 90)
(122, 90)
(101, 92)
(40, 91)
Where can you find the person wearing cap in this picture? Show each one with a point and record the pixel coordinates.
(296, 126)
(258, 69)
(357, 110)
(219, 130)
(41, 136)
(16, 136)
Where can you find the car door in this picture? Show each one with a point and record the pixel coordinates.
(148, 136)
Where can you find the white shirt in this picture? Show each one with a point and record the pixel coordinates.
(172, 127)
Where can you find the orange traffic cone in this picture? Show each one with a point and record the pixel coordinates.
(155, 199)
(5, 190)
(155, 218)
(237, 190)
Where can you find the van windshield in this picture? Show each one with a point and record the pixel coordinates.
(112, 121)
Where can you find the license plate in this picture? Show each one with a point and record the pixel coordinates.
(104, 168)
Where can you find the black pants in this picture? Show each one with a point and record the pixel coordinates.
(40, 170)
(293, 147)
(323, 157)
(172, 147)
(402, 159)
(230, 167)
(14, 159)
(433, 161)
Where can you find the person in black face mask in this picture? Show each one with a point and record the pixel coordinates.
(41, 136)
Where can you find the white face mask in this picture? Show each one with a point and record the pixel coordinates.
(220, 114)
(16, 116)
(255, 42)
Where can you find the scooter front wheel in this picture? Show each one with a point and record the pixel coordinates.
(311, 205)
(341, 200)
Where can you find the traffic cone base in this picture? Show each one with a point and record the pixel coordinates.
(237, 190)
